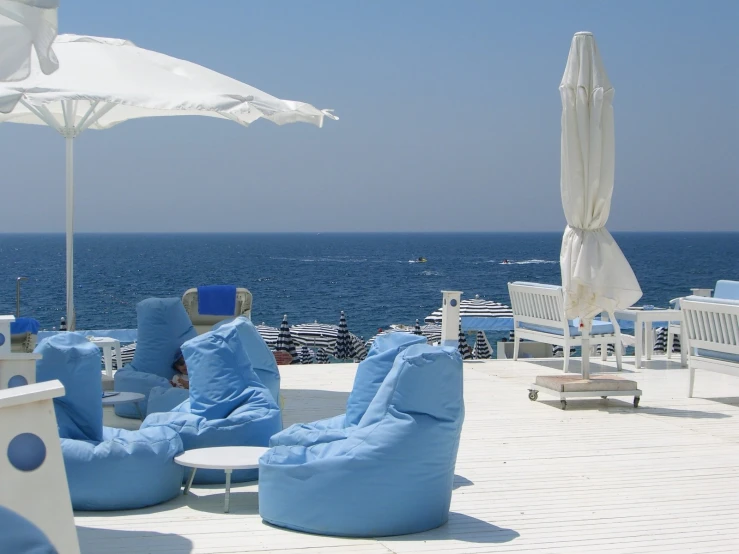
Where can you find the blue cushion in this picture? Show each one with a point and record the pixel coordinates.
(219, 371)
(717, 355)
(217, 300)
(18, 535)
(371, 372)
(165, 399)
(598, 328)
(127, 470)
(262, 359)
(228, 404)
(392, 473)
(117, 469)
(75, 361)
(726, 289)
(163, 325)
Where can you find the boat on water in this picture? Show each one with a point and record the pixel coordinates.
(419, 260)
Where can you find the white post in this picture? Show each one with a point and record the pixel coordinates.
(586, 326)
(71, 320)
(450, 317)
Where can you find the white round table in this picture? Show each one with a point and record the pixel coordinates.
(226, 458)
(124, 398)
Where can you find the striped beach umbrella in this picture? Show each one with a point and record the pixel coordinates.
(268, 333)
(482, 350)
(417, 329)
(321, 356)
(464, 348)
(321, 335)
(431, 332)
(477, 314)
(285, 341)
(127, 353)
(343, 349)
(306, 355)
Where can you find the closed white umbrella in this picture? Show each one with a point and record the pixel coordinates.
(25, 26)
(104, 81)
(596, 276)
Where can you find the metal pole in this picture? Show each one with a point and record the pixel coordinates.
(18, 295)
(71, 322)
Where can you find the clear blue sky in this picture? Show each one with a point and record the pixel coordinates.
(450, 119)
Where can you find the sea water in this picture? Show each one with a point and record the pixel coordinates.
(374, 278)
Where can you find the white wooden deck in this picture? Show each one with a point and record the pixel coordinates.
(599, 477)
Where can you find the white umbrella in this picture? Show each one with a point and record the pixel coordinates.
(26, 25)
(104, 81)
(596, 276)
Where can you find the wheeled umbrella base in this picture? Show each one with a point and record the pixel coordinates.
(574, 386)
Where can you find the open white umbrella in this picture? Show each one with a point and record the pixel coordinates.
(25, 26)
(596, 276)
(104, 81)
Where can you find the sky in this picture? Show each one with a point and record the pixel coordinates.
(449, 119)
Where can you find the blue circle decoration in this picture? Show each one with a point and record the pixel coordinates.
(453, 302)
(17, 381)
(2, 339)
(26, 452)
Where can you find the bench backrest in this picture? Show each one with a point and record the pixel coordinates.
(538, 304)
(711, 323)
(203, 322)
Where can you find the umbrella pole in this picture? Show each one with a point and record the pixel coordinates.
(71, 320)
(586, 325)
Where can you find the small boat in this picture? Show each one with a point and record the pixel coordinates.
(421, 260)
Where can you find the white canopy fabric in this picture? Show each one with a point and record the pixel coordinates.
(104, 81)
(27, 25)
(596, 276)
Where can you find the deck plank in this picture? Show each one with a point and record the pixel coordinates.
(600, 476)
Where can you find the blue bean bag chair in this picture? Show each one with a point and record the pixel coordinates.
(371, 372)
(163, 325)
(107, 468)
(18, 535)
(228, 404)
(392, 473)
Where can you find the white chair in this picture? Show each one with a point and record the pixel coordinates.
(539, 315)
(204, 322)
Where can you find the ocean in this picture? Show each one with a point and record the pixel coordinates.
(373, 278)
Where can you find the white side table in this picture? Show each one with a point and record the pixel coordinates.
(643, 320)
(226, 458)
(115, 398)
(108, 345)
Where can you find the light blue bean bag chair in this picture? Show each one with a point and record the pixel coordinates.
(228, 404)
(371, 372)
(392, 473)
(107, 468)
(18, 535)
(163, 325)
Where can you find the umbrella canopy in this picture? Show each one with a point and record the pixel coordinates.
(268, 333)
(321, 356)
(595, 274)
(306, 355)
(285, 341)
(464, 348)
(321, 335)
(477, 314)
(482, 348)
(105, 81)
(344, 348)
(431, 332)
(26, 25)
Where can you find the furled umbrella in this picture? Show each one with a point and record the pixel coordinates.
(478, 314)
(343, 349)
(596, 276)
(417, 329)
(105, 81)
(464, 348)
(285, 341)
(322, 356)
(306, 355)
(482, 350)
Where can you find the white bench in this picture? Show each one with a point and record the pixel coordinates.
(539, 315)
(711, 330)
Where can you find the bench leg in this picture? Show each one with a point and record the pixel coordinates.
(516, 342)
(566, 353)
(670, 340)
(692, 379)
